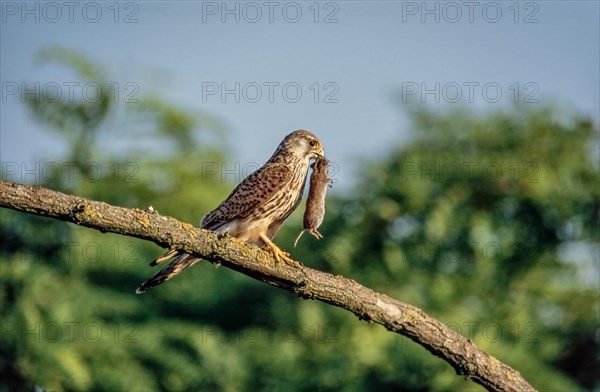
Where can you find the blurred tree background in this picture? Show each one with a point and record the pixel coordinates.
(488, 222)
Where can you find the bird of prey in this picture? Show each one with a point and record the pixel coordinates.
(258, 206)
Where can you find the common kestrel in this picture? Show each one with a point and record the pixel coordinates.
(258, 206)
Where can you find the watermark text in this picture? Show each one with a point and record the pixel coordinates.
(270, 12)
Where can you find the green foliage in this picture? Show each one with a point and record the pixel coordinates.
(488, 223)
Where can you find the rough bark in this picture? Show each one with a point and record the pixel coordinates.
(407, 320)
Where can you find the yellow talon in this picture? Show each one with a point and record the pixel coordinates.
(278, 253)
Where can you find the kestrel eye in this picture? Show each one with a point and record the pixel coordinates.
(312, 143)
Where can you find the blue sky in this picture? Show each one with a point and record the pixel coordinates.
(352, 72)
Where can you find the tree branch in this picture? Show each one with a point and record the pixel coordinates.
(404, 319)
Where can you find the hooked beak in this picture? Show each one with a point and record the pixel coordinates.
(318, 154)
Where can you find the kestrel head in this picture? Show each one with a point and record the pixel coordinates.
(301, 144)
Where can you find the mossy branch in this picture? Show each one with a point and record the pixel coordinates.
(407, 320)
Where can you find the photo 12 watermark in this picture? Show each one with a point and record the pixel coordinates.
(125, 252)
(76, 252)
(493, 332)
(69, 11)
(70, 92)
(70, 172)
(274, 333)
(470, 11)
(235, 172)
(68, 332)
(454, 253)
(270, 92)
(470, 171)
(469, 92)
(270, 12)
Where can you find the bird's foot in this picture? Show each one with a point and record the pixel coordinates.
(278, 254)
(281, 256)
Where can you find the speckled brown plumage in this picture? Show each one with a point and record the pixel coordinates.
(258, 206)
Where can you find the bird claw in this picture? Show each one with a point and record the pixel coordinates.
(278, 254)
(281, 256)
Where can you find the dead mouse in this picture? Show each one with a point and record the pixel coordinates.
(315, 203)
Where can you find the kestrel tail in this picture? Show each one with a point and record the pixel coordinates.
(258, 206)
(315, 203)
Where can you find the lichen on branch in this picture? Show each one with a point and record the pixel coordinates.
(404, 319)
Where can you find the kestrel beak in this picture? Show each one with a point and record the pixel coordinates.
(319, 154)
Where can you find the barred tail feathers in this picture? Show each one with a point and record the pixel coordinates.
(170, 254)
(180, 263)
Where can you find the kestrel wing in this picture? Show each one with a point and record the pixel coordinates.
(256, 189)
